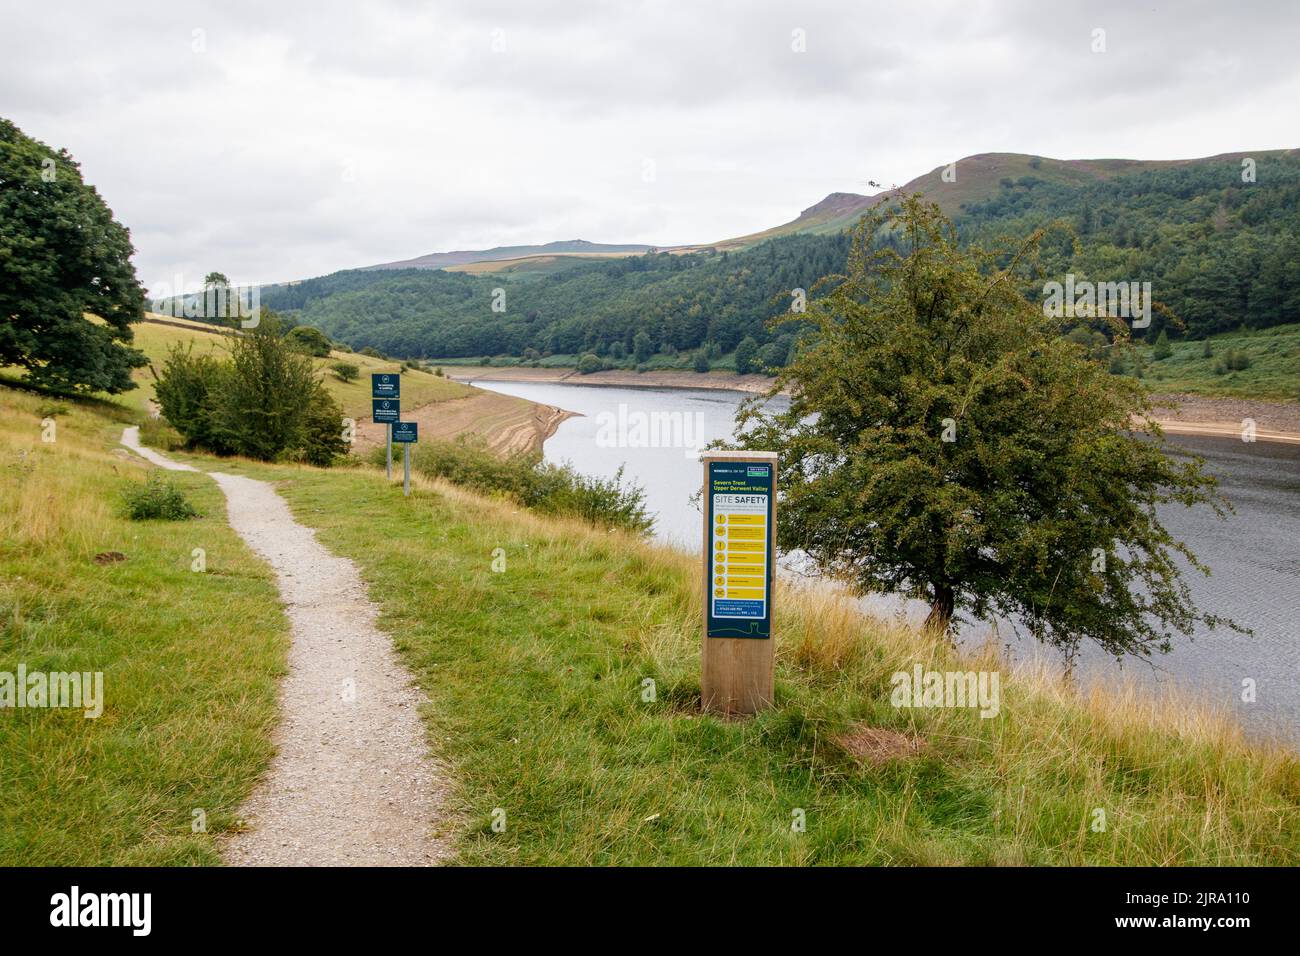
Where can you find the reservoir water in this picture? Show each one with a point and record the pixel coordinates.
(1254, 554)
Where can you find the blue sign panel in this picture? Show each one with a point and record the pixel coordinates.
(406, 431)
(740, 565)
(385, 385)
(384, 410)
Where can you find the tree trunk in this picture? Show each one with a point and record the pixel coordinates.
(941, 608)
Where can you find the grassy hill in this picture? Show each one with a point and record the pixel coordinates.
(976, 178)
(157, 334)
(537, 678)
(569, 247)
(1218, 251)
(1202, 368)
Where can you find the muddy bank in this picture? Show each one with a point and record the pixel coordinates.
(509, 425)
(1177, 414)
(664, 378)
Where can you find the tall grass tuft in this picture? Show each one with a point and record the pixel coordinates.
(156, 498)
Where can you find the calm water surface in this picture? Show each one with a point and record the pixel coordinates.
(1254, 554)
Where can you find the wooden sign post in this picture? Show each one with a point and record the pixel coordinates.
(739, 505)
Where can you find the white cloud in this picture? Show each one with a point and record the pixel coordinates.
(307, 138)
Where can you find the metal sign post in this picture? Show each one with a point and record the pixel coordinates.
(385, 392)
(406, 434)
(739, 581)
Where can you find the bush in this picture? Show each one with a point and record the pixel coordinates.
(1207, 350)
(346, 371)
(323, 430)
(588, 363)
(264, 402)
(265, 394)
(188, 391)
(156, 498)
(438, 371)
(544, 487)
(1233, 360)
(702, 363)
(310, 340)
(1162, 349)
(746, 355)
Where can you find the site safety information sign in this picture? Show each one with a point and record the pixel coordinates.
(385, 385)
(739, 501)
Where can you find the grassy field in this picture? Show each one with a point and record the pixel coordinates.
(190, 661)
(1273, 372)
(537, 682)
(418, 388)
(539, 703)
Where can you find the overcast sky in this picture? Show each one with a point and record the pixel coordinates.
(272, 140)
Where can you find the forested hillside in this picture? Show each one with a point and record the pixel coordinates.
(1220, 253)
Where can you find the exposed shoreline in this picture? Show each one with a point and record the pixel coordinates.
(1176, 414)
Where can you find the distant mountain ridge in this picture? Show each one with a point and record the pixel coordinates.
(973, 179)
(580, 247)
(1219, 243)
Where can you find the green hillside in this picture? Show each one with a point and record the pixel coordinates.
(1219, 253)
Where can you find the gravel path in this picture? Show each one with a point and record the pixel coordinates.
(351, 783)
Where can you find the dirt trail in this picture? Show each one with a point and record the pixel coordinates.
(351, 782)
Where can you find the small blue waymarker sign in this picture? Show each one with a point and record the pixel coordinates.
(385, 385)
(384, 410)
(406, 432)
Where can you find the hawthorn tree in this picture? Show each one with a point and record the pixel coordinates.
(62, 256)
(947, 442)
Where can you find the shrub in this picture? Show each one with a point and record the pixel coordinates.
(323, 430)
(1162, 349)
(1207, 350)
(746, 355)
(346, 371)
(266, 393)
(188, 391)
(310, 340)
(702, 363)
(544, 487)
(438, 371)
(52, 409)
(156, 498)
(588, 363)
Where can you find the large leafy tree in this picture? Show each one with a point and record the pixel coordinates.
(946, 441)
(63, 255)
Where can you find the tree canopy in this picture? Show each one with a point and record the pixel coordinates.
(63, 256)
(945, 441)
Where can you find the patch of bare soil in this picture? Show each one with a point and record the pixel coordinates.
(878, 746)
(506, 423)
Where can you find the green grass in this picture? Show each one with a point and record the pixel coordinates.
(535, 676)
(1274, 371)
(190, 660)
(418, 388)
